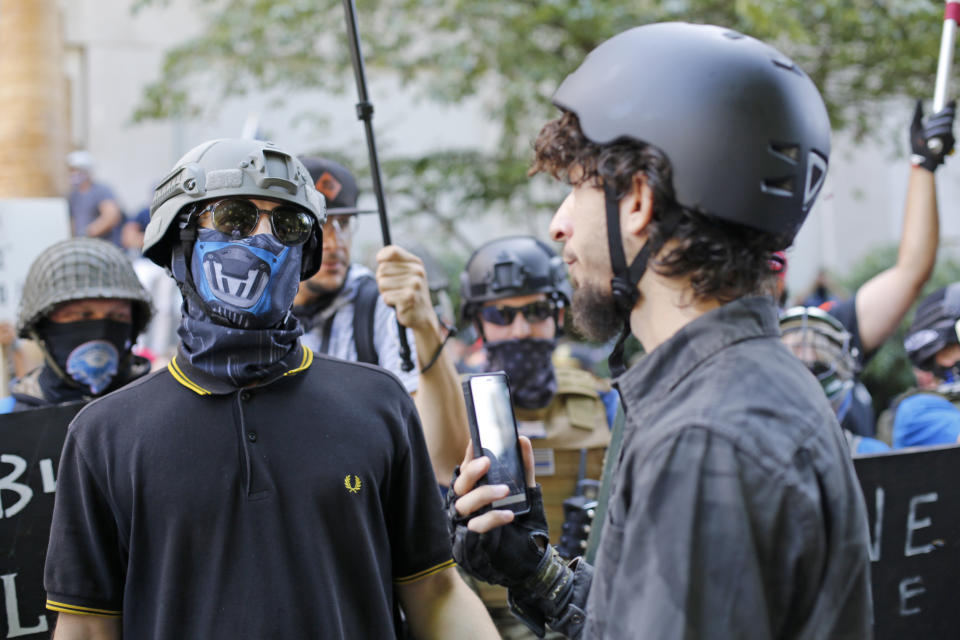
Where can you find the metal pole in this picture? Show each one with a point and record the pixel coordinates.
(365, 113)
(945, 63)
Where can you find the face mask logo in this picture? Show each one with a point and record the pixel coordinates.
(252, 282)
(236, 276)
(93, 364)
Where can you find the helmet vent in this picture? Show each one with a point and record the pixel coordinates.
(787, 65)
(779, 186)
(787, 150)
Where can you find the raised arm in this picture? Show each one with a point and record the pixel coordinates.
(884, 300)
(403, 285)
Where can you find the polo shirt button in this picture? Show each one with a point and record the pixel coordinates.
(252, 436)
(244, 395)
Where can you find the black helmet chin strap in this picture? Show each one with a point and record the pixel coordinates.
(625, 279)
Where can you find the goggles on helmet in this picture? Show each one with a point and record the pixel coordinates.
(503, 315)
(238, 217)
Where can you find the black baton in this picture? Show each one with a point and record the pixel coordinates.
(365, 113)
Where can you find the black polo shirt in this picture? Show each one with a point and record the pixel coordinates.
(287, 510)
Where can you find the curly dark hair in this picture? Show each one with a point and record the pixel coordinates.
(724, 261)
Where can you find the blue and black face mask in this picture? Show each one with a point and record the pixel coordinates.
(250, 282)
(90, 352)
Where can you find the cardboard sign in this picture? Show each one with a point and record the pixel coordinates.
(913, 504)
(27, 227)
(30, 444)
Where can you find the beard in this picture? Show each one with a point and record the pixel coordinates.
(595, 314)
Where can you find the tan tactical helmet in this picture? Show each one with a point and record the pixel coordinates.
(233, 167)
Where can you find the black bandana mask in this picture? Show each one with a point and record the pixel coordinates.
(90, 352)
(529, 366)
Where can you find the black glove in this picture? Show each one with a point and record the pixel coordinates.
(938, 125)
(507, 555)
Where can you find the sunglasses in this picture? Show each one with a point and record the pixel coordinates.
(342, 225)
(237, 218)
(504, 315)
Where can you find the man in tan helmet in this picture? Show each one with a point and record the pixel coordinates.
(251, 489)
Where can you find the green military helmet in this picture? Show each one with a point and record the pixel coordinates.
(77, 269)
(233, 167)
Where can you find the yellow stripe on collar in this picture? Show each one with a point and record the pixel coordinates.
(181, 377)
(305, 362)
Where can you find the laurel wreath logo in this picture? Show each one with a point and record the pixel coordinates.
(353, 487)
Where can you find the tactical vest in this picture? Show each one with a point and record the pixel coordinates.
(575, 420)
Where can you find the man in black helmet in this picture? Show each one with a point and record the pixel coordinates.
(84, 306)
(351, 313)
(514, 290)
(929, 414)
(250, 489)
(693, 152)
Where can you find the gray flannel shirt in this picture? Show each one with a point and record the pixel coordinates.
(734, 511)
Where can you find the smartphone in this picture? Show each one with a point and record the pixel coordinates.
(493, 429)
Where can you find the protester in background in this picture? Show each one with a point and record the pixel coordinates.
(876, 309)
(8, 336)
(133, 228)
(349, 313)
(249, 490)
(693, 153)
(826, 348)
(929, 414)
(94, 211)
(83, 305)
(514, 290)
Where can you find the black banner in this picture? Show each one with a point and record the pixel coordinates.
(30, 444)
(913, 503)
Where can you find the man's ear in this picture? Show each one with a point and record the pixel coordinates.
(636, 208)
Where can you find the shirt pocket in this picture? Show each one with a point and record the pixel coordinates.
(609, 554)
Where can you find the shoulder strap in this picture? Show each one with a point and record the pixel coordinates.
(610, 462)
(364, 310)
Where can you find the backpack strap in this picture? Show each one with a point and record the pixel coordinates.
(364, 310)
